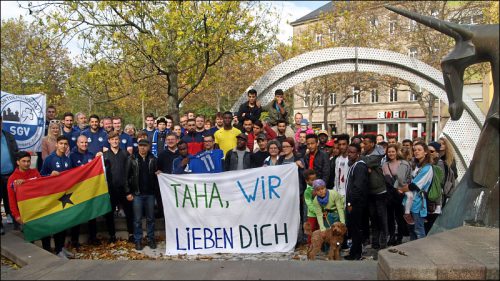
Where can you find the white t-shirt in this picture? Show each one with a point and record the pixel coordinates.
(341, 169)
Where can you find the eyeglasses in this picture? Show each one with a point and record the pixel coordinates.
(432, 151)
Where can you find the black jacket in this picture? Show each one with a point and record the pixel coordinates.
(250, 112)
(137, 185)
(12, 145)
(321, 165)
(357, 185)
(117, 171)
(166, 159)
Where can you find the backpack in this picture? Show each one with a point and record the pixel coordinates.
(435, 191)
(376, 177)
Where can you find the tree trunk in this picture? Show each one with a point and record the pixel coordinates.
(173, 97)
(428, 119)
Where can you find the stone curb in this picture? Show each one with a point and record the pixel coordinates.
(462, 253)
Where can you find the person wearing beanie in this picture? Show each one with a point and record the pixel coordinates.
(328, 205)
(436, 145)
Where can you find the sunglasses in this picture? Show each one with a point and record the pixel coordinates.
(55, 121)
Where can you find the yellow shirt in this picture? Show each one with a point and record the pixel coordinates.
(226, 139)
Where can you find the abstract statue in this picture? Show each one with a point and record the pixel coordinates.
(475, 201)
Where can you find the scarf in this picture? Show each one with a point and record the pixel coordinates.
(154, 146)
(323, 200)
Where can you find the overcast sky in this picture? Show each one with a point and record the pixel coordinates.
(289, 11)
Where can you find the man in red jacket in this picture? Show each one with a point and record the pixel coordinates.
(18, 177)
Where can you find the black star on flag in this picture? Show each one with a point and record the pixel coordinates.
(65, 199)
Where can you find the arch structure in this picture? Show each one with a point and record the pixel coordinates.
(463, 133)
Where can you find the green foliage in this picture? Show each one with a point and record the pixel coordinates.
(175, 41)
(32, 61)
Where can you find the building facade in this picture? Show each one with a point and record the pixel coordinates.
(394, 111)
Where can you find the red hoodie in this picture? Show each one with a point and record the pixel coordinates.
(11, 190)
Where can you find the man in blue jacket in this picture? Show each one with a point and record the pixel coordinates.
(79, 156)
(53, 165)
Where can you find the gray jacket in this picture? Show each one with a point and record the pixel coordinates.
(231, 160)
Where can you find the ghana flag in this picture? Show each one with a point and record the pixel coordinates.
(52, 204)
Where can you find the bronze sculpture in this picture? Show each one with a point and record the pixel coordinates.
(475, 200)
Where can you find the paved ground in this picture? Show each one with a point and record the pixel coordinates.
(40, 265)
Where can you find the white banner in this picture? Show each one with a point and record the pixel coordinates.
(24, 117)
(248, 211)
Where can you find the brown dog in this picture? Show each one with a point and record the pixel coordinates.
(334, 236)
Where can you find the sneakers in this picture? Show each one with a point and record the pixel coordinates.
(152, 244)
(62, 255)
(121, 213)
(138, 246)
(409, 219)
(67, 253)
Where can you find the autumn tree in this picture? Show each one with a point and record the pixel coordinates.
(177, 41)
(366, 24)
(33, 61)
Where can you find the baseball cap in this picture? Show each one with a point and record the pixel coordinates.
(322, 132)
(330, 143)
(304, 122)
(143, 142)
(261, 136)
(242, 136)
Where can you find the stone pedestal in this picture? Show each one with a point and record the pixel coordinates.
(462, 253)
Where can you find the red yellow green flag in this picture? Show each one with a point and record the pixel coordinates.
(52, 204)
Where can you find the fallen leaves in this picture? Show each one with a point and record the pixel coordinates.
(5, 261)
(121, 250)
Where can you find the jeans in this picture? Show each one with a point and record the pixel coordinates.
(378, 217)
(418, 229)
(144, 204)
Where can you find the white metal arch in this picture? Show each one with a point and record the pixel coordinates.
(463, 133)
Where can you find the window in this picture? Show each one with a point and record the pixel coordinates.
(370, 129)
(319, 39)
(355, 95)
(306, 99)
(392, 27)
(331, 33)
(319, 99)
(333, 98)
(374, 96)
(413, 95)
(412, 52)
(393, 95)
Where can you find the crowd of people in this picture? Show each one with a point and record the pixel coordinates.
(377, 187)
